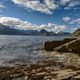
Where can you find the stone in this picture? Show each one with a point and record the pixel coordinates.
(36, 77)
(66, 74)
(49, 46)
(73, 46)
(77, 77)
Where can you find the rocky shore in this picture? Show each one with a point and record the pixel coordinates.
(67, 69)
(45, 70)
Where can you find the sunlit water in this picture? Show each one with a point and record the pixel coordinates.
(23, 49)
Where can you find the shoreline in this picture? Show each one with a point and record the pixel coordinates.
(44, 70)
(66, 69)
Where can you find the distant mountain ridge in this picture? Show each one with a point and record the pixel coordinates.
(7, 30)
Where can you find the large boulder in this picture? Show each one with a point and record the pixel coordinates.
(73, 46)
(49, 46)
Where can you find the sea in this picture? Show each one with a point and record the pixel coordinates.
(16, 49)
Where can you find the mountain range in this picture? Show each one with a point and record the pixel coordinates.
(8, 30)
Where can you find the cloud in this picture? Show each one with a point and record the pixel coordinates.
(75, 21)
(36, 5)
(47, 6)
(17, 23)
(66, 19)
(51, 4)
(2, 6)
(70, 4)
(74, 29)
(63, 2)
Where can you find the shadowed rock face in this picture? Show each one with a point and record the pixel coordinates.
(49, 46)
(73, 46)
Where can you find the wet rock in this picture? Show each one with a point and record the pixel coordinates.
(62, 48)
(73, 46)
(44, 70)
(65, 74)
(49, 46)
(77, 77)
(36, 77)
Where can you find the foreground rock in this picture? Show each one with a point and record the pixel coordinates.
(46, 70)
(49, 46)
(73, 46)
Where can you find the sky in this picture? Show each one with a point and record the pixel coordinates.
(51, 15)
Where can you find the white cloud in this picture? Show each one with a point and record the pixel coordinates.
(75, 21)
(66, 19)
(73, 3)
(36, 5)
(47, 6)
(74, 29)
(51, 4)
(2, 6)
(63, 2)
(17, 23)
(70, 4)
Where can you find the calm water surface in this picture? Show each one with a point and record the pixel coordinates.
(23, 49)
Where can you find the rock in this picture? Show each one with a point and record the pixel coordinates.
(36, 77)
(62, 48)
(66, 74)
(49, 46)
(68, 40)
(77, 77)
(73, 46)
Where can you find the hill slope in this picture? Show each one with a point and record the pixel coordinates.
(77, 33)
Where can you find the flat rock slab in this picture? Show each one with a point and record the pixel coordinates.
(73, 46)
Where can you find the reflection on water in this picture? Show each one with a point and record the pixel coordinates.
(23, 49)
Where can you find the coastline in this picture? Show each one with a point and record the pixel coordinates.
(67, 67)
(44, 70)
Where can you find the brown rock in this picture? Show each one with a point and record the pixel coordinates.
(36, 77)
(66, 74)
(77, 77)
(73, 46)
(49, 46)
